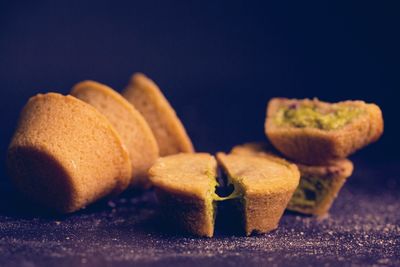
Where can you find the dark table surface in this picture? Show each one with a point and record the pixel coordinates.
(363, 229)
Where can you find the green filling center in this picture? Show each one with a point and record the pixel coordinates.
(232, 204)
(310, 115)
(236, 193)
(213, 198)
(310, 192)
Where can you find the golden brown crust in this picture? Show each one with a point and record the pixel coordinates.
(263, 212)
(185, 173)
(51, 157)
(335, 168)
(132, 127)
(335, 173)
(260, 174)
(316, 146)
(186, 212)
(267, 186)
(258, 149)
(169, 131)
(185, 184)
(376, 129)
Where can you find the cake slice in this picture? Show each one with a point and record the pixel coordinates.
(65, 154)
(319, 185)
(148, 99)
(185, 186)
(265, 185)
(314, 132)
(129, 123)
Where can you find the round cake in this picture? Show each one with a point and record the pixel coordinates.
(148, 99)
(129, 123)
(265, 185)
(185, 186)
(65, 154)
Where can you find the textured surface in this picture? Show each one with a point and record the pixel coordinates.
(168, 129)
(61, 136)
(364, 228)
(133, 129)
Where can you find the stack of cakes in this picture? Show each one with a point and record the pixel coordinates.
(318, 137)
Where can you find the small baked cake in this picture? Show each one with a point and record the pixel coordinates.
(129, 123)
(314, 132)
(319, 185)
(65, 154)
(148, 99)
(185, 186)
(266, 186)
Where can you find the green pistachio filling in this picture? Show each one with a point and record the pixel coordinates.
(310, 192)
(211, 205)
(213, 197)
(236, 193)
(231, 203)
(310, 115)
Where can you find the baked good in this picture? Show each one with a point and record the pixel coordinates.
(185, 187)
(314, 132)
(65, 155)
(148, 99)
(319, 185)
(186, 184)
(129, 123)
(266, 186)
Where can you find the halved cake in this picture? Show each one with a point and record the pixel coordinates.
(148, 99)
(130, 124)
(185, 186)
(65, 154)
(314, 132)
(319, 185)
(265, 185)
